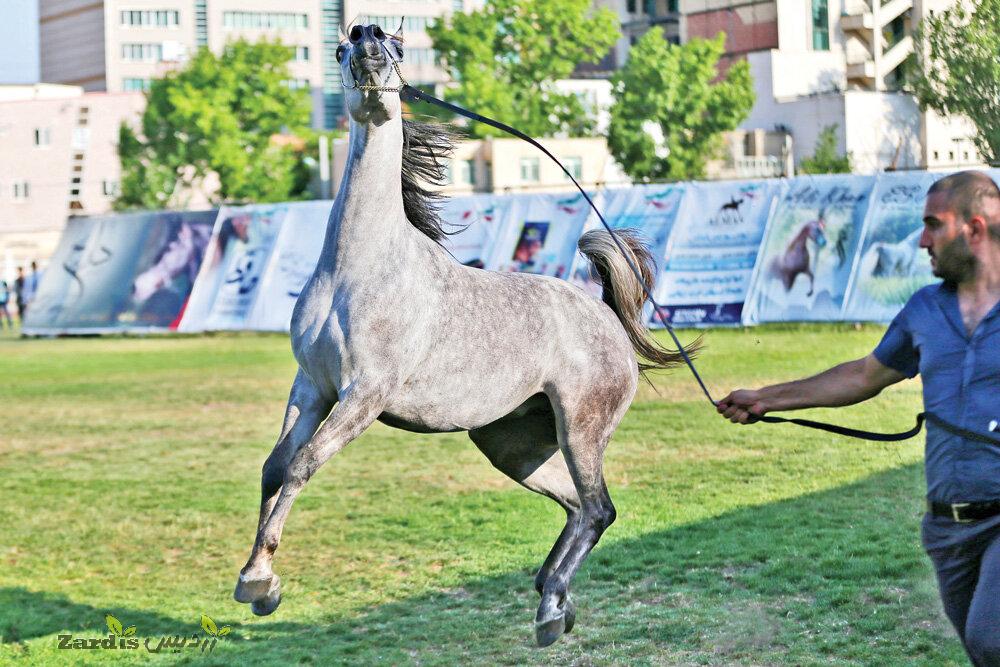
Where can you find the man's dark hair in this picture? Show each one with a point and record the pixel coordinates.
(972, 193)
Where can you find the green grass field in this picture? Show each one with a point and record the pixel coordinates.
(129, 476)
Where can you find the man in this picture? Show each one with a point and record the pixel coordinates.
(949, 332)
(31, 285)
(19, 288)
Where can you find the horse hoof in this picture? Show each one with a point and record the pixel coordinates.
(249, 590)
(569, 610)
(547, 632)
(267, 604)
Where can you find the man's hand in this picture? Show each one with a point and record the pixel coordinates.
(742, 406)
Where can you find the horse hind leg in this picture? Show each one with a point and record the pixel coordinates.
(526, 449)
(584, 427)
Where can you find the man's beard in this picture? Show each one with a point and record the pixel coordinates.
(955, 263)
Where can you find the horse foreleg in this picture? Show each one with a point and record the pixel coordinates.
(305, 412)
(355, 412)
(812, 281)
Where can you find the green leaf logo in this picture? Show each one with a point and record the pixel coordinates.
(209, 626)
(224, 631)
(114, 625)
(129, 631)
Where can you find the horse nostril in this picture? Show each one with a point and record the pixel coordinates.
(377, 31)
(356, 34)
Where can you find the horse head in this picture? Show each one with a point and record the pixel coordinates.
(368, 60)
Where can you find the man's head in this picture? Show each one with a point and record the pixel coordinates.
(34, 267)
(20, 271)
(961, 223)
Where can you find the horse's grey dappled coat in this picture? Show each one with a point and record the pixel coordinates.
(391, 328)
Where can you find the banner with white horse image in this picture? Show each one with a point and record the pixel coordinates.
(712, 251)
(473, 223)
(229, 280)
(891, 266)
(538, 234)
(131, 272)
(652, 209)
(808, 251)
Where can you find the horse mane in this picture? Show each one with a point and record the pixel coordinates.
(426, 147)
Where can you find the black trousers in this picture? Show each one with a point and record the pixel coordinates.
(968, 574)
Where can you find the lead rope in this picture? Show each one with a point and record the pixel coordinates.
(410, 94)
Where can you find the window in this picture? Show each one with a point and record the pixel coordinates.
(147, 53)
(936, 155)
(110, 188)
(301, 54)
(265, 20)
(574, 165)
(296, 84)
(529, 169)
(163, 18)
(467, 172)
(43, 136)
(21, 191)
(820, 25)
(133, 84)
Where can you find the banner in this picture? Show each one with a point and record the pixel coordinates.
(712, 252)
(538, 234)
(293, 260)
(652, 209)
(227, 284)
(475, 221)
(808, 250)
(892, 266)
(129, 272)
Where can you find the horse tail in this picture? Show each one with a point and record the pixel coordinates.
(624, 294)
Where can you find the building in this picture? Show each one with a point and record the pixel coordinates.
(120, 45)
(19, 43)
(836, 62)
(58, 157)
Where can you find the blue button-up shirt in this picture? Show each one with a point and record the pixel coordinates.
(961, 378)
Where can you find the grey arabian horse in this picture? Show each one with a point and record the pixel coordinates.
(391, 328)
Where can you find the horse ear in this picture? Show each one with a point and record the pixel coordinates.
(398, 35)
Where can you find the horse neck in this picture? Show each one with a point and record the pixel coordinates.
(368, 215)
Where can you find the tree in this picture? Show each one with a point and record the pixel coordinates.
(825, 159)
(219, 115)
(507, 56)
(957, 69)
(671, 107)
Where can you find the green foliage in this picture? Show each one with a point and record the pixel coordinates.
(677, 90)
(956, 69)
(507, 56)
(826, 159)
(219, 115)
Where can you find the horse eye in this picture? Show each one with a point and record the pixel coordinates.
(379, 35)
(340, 52)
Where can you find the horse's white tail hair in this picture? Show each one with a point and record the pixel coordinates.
(623, 292)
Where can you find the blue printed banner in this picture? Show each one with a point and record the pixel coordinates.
(651, 209)
(712, 252)
(808, 250)
(131, 272)
(892, 266)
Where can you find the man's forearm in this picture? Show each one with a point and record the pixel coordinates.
(841, 385)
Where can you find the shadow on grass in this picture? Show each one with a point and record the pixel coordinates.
(836, 576)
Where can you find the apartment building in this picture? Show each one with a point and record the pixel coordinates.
(58, 157)
(121, 45)
(817, 63)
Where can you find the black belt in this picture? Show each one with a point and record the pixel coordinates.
(965, 512)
